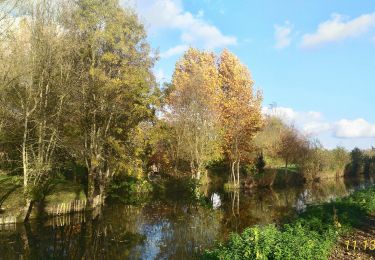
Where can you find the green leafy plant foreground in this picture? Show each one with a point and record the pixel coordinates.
(312, 235)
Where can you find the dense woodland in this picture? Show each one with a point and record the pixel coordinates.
(79, 101)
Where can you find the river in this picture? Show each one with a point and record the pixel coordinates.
(164, 228)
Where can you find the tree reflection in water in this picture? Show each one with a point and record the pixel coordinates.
(162, 228)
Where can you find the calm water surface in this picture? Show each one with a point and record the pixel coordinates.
(163, 228)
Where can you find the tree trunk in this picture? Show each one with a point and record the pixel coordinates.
(24, 154)
(237, 163)
(233, 172)
(90, 187)
(104, 180)
(238, 203)
(198, 175)
(29, 207)
(88, 235)
(192, 169)
(238, 173)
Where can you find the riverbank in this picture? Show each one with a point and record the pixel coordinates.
(364, 238)
(168, 225)
(281, 176)
(64, 197)
(313, 234)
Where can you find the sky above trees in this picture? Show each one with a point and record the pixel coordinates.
(314, 60)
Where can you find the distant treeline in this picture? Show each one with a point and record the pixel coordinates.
(280, 146)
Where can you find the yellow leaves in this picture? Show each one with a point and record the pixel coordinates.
(196, 75)
(234, 74)
(194, 107)
(109, 57)
(218, 92)
(241, 107)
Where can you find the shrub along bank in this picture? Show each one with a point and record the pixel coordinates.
(312, 235)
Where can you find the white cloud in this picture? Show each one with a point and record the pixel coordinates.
(313, 123)
(208, 36)
(285, 113)
(194, 30)
(316, 127)
(338, 28)
(310, 122)
(174, 51)
(315, 115)
(344, 132)
(358, 128)
(283, 35)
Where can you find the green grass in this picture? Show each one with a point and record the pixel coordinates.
(312, 235)
(291, 169)
(11, 195)
(3, 176)
(64, 192)
(61, 191)
(12, 200)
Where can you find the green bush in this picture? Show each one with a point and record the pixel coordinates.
(129, 185)
(268, 242)
(311, 235)
(130, 190)
(298, 242)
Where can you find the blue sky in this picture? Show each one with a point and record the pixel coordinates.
(315, 59)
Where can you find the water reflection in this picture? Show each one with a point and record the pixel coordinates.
(303, 199)
(216, 201)
(163, 229)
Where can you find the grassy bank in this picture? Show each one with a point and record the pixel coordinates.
(12, 200)
(312, 235)
(10, 190)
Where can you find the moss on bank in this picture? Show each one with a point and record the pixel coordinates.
(312, 235)
(11, 195)
(64, 192)
(12, 200)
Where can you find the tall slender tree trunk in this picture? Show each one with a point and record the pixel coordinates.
(90, 187)
(28, 209)
(237, 163)
(238, 173)
(232, 168)
(24, 155)
(25, 164)
(238, 203)
(192, 169)
(233, 194)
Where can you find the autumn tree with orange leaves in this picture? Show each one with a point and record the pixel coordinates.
(240, 115)
(193, 110)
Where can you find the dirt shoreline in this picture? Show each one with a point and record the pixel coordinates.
(365, 232)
